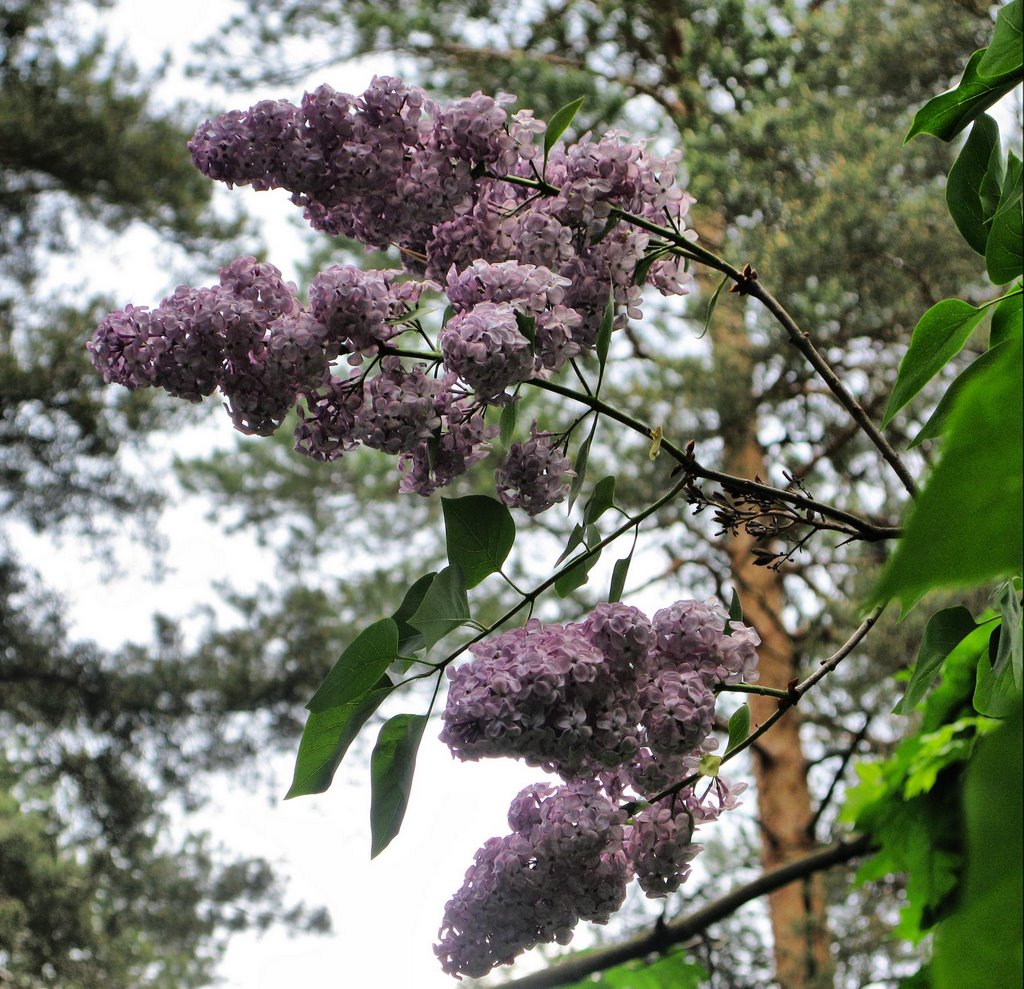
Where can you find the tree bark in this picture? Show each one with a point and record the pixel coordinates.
(801, 941)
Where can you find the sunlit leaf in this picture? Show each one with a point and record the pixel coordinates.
(739, 727)
(1004, 251)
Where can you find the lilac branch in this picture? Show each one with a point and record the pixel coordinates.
(663, 936)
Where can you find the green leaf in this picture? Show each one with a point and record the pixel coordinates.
(1011, 642)
(979, 946)
(507, 423)
(600, 501)
(409, 639)
(1004, 54)
(1008, 318)
(938, 337)
(528, 327)
(577, 575)
(946, 115)
(643, 266)
(1004, 253)
(739, 727)
(326, 739)
(604, 334)
(995, 694)
(480, 532)
(966, 527)
(946, 629)
(392, 765)
(580, 466)
(735, 607)
(618, 583)
(575, 539)
(444, 607)
(713, 304)
(970, 213)
(937, 421)
(558, 124)
(360, 666)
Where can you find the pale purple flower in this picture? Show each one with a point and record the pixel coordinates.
(485, 348)
(536, 474)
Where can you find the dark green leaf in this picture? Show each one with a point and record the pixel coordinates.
(735, 607)
(604, 333)
(409, 639)
(360, 666)
(558, 123)
(444, 607)
(449, 311)
(945, 630)
(713, 304)
(938, 337)
(1004, 251)
(963, 188)
(326, 739)
(739, 727)
(979, 946)
(1008, 319)
(577, 575)
(936, 423)
(644, 264)
(580, 466)
(575, 539)
(1004, 54)
(946, 115)
(600, 501)
(1011, 642)
(966, 528)
(479, 531)
(618, 583)
(528, 327)
(391, 770)
(507, 423)
(995, 694)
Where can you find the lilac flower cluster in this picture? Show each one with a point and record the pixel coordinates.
(528, 277)
(563, 861)
(241, 336)
(622, 708)
(394, 167)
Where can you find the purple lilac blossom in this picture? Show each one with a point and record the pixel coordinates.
(485, 348)
(545, 694)
(564, 861)
(400, 410)
(462, 444)
(329, 422)
(691, 636)
(535, 475)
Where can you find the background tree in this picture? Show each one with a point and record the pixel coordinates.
(94, 889)
(786, 114)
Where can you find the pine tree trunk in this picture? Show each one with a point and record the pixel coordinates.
(801, 941)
